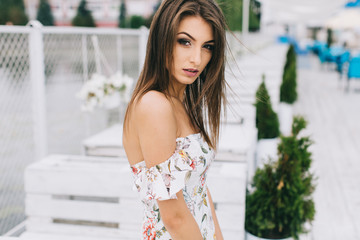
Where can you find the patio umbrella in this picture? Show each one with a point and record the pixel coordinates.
(348, 18)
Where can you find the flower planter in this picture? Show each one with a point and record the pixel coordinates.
(265, 149)
(249, 236)
(285, 118)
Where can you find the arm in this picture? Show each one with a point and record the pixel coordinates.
(218, 232)
(157, 128)
(178, 220)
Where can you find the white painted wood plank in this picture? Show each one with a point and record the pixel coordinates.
(227, 182)
(62, 236)
(46, 206)
(111, 137)
(334, 118)
(36, 225)
(104, 177)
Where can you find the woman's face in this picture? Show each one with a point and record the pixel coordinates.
(192, 49)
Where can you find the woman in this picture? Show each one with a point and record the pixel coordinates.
(172, 122)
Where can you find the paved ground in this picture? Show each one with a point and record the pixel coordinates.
(334, 124)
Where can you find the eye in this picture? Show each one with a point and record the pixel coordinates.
(209, 47)
(184, 42)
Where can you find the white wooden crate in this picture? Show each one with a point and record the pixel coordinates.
(79, 197)
(234, 138)
(107, 143)
(82, 196)
(227, 184)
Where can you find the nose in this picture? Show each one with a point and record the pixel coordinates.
(196, 56)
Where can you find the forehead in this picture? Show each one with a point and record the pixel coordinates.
(197, 27)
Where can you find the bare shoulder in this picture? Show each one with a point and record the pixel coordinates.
(156, 127)
(154, 105)
(155, 101)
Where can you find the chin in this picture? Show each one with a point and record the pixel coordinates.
(187, 80)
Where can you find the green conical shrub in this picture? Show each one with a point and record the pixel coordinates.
(267, 121)
(44, 14)
(136, 21)
(288, 93)
(83, 17)
(13, 12)
(122, 15)
(280, 201)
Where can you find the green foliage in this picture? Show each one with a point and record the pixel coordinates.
(254, 16)
(281, 202)
(288, 91)
(44, 14)
(83, 17)
(12, 12)
(267, 121)
(233, 11)
(136, 21)
(122, 15)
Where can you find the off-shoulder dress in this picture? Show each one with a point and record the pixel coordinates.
(185, 170)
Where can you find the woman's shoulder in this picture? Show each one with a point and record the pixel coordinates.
(153, 102)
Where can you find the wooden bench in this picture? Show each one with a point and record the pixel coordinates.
(80, 197)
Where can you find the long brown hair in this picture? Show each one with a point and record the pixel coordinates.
(205, 97)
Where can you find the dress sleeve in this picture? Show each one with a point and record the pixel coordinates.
(163, 181)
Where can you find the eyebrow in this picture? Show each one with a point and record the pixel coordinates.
(192, 38)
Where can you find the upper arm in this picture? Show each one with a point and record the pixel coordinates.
(156, 127)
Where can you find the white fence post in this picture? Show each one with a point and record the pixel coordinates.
(245, 22)
(37, 77)
(142, 47)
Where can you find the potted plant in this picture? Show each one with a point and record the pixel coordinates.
(279, 202)
(267, 124)
(106, 92)
(288, 93)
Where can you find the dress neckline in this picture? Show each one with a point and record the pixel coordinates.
(177, 140)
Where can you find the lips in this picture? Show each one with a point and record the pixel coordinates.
(191, 72)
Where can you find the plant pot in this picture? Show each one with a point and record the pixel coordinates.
(249, 236)
(266, 149)
(285, 118)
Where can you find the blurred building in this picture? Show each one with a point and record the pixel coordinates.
(105, 12)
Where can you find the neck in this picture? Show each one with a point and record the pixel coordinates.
(177, 91)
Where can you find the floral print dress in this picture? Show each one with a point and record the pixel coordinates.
(185, 170)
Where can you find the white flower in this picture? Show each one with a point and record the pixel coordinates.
(99, 91)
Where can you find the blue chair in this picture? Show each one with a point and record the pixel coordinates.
(318, 47)
(354, 69)
(323, 52)
(290, 40)
(340, 62)
(333, 53)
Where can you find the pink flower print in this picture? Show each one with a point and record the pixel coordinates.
(202, 180)
(149, 232)
(150, 193)
(167, 179)
(134, 170)
(193, 164)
